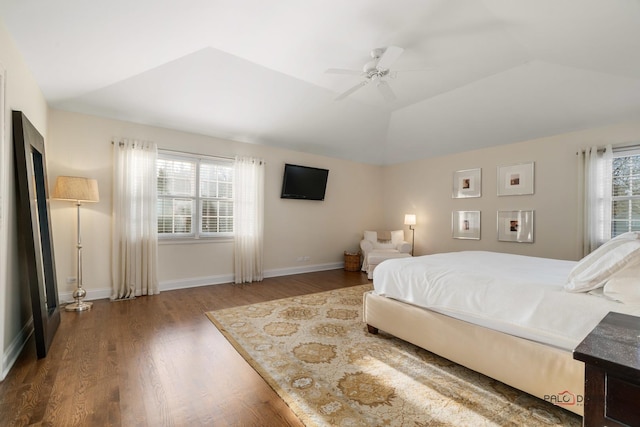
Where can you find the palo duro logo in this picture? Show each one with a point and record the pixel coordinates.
(564, 398)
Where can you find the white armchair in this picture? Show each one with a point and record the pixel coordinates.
(379, 246)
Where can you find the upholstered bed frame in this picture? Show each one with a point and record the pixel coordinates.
(540, 370)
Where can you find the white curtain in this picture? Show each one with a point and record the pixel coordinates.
(134, 230)
(597, 169)
(248, 213)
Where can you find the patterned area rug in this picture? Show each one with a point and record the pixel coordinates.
(315, 351)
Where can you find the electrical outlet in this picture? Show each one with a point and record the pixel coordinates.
(306, 258)
(71, 280)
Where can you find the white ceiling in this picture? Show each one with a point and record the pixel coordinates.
(474, 73)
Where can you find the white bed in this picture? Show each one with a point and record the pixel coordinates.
(506, 316)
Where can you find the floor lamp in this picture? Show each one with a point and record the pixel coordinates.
(410, 220)
(78, 190)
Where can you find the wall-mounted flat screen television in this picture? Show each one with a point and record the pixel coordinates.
(304, 182)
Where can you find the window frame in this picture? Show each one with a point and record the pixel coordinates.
(196, 235)
(633, 151)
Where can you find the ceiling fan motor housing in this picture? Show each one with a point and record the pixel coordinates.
(371, 68)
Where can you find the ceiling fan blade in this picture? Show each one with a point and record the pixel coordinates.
(386, 91)
(390, 55)
(343, 71)
(349, 91)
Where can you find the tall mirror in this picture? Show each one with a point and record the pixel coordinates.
(37, 268)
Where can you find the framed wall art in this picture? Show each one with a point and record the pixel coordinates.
(515, 180)
(465, 225)
(515, 226)
(467, 183)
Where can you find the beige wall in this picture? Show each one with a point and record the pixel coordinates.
(80, 145)
(424, 187)
(21, 93)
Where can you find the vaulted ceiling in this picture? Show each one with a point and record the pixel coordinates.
(473, 73)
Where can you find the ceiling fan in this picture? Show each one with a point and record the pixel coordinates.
(373, 71)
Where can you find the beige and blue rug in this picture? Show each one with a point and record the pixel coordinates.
(315, 351)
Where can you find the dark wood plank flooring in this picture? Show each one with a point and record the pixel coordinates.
(154, 361)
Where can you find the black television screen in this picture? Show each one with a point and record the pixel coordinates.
(304, 182)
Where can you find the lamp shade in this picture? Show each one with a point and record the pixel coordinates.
(410, 219)
(77, 189)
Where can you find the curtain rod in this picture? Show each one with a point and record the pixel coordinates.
(183, 152)
(621, 147)
(196, 154)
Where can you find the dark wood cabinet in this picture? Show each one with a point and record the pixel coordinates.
(611, 354)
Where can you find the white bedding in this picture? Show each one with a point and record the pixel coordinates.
(515, 294)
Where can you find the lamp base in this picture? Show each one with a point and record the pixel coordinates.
(78, 306)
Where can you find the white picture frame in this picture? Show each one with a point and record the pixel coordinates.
(467, 183)
(516, 180)
(465, 225)
(515, 226)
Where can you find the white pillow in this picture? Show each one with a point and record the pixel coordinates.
(371, 236)
(624, 286)
(397, 237)
(593, 270)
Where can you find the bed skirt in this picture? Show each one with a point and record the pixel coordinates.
(546, 372)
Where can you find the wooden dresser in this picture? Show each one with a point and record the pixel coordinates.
(611, 354)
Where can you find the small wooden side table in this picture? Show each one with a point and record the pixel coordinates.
(611, 354)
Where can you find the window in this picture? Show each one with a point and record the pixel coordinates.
(625, 207)
(195, 196)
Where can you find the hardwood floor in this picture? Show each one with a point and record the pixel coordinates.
(154, 361)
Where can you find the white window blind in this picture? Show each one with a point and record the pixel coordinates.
(216, 193)
(195, 196)
(625, 192)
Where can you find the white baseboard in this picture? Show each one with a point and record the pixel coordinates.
(170, 285)
(15, 348)
(92, 294)
(304, 269)
(229, 278)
